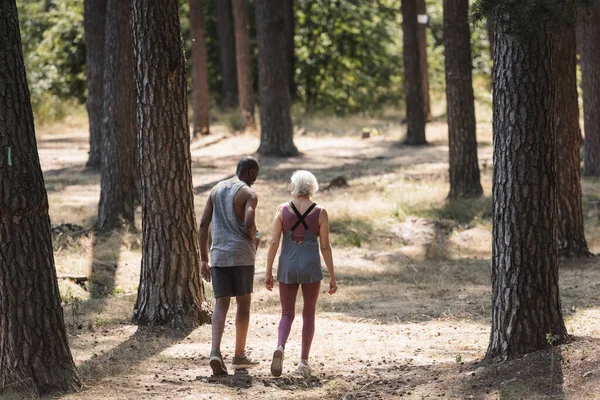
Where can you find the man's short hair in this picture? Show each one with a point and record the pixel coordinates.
(247, 163)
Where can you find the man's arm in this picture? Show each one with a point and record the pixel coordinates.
(204, 229)
(250, 214)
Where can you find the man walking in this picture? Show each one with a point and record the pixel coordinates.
(230, 209)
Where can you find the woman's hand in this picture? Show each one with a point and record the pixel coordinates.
(269, 281)
(332, 286)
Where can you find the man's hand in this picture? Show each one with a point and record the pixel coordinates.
(205, 271)
(332, 286)
(269, 281)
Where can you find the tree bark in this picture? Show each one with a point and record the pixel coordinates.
(413, 76)
(170, 291)
(571, 236)
(119, 151)
(423, 63)
(200, 90)
(526, 303)
(276, 136)
(590, 82)
(244, 67)
(227, 54)
(462, 139)
(290, 27)
(94, 24)
(34, 350)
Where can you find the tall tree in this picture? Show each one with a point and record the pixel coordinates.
(571, 236)
(423, 63)
(526, 303)
(93, 21)
(413, 76)
(227, 54)
(290, 27)
(170, 291)
(462, 139)
(119, 150)
(200, 90)
(276, 131)
(244, 67)
(33, 340)
(590, 83)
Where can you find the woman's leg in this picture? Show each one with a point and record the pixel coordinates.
(287, 296)
(310, 293)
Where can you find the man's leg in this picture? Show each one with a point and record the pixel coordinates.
(242, 322)
(218, 321)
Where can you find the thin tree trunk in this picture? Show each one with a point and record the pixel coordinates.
(290, 26)
(34, 351)
(119, 150)
(423, 63)
(200, 90)
(94, 24)
(571, 236)
(244, 67)
(413, 76)
(462, 139)
(526, 303)
(170, 291)
(276, 136)
(227, 54)
(590, 82)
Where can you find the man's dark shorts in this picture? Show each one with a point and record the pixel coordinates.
(232, 281)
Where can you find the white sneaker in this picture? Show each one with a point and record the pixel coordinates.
(304, 369)
(277, 363)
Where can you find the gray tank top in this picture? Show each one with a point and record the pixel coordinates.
(231, 245)
(300, 262)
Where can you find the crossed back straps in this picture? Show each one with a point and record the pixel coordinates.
(301, 217)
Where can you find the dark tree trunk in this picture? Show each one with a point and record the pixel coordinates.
(171, 291)
(413, 76)
(227, 54)
(94, 20)
(290, 26)
(462, 139)
(571, 236)
(119, 150)
(200, 72)
(423, 63)
(244, 67)
(590, 82)
(526, 302)
(34, 350)
(276, 136)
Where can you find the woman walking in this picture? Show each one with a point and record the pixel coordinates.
(304, 227)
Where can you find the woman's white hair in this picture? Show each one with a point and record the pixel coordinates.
(304, 183)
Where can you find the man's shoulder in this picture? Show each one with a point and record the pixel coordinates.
(247, 192)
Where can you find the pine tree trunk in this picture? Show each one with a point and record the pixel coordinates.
(171, 291)
(34, 350)
(290, 27)
(244, 67)
(462, 139)
(200, 73)
(571, 236)
(276, 136)
(423, 63)
(526, 303)
(413, 76)
(94, 22)
(590, 82)
(119, 150)
(227, 54)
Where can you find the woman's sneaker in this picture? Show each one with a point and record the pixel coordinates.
(243, 362)
(304, 369)
(277, 363)
(217, 364)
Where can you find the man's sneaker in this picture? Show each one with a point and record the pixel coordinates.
(244, 362)
(304, 369)
(217, 364)
(277, 363)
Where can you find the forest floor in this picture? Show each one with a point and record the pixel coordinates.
(412, 315)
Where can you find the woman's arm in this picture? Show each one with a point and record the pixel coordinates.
(326, 249)
(273, 247)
